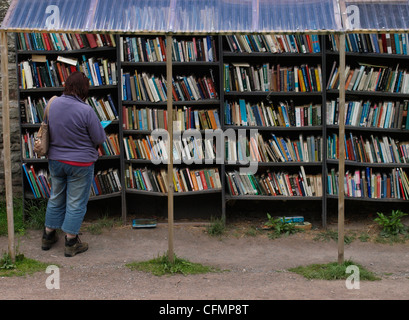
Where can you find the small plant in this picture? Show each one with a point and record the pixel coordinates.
(391, 225)
(217, 227)
(21, 267)
(279, 226)
(6, 263)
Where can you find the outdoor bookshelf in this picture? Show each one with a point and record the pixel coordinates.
(376, 128)
(285, 87)
(44, 61)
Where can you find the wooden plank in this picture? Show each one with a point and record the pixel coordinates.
(6, 143)
(341, 164)
(170, 149)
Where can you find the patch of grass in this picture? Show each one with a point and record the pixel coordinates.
(23, 266)
(17, 213)
(328, 235)
(217, 227)
(35, 210)
(162, 266)
(96, 227)
(332, 271)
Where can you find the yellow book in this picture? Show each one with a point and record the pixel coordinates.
(317, 79)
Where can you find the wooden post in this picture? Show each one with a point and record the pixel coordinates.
(341, 142)
(170, 149)
(6, 143)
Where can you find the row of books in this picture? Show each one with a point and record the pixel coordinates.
(274, 184)
(371, 78)
(147, 87)
(39, 181)
(184, 149)
(244, 77)
(185, 118)
(104, 107)
(276, 149)
(32, 109)
(110, 147)
(371, 184)
(184, 179)
(27, 145)
(298, 43)
(142, 49)
(285, 114)
(63, 41)
(39, 72)
(386, 114)
(106, 182)
(372, 150)
(395, 43)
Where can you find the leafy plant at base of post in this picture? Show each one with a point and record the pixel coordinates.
(280, 226)
(391, 225)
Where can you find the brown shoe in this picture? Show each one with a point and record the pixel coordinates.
(48, 239)
(74, 246)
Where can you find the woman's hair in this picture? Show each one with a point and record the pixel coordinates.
(77, 84)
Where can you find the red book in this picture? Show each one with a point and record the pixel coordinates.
(46, 41)
(81, 44)
(91, 40)
(203, 178)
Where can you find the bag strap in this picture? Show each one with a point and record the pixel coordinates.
(47, 108)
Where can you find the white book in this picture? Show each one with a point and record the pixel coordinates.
(28, 75)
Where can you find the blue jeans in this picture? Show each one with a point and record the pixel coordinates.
(70, 190)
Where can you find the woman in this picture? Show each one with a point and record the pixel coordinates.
(75, 133)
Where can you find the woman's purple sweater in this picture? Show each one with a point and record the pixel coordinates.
(75, 130)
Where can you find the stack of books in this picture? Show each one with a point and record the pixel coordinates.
(142, 49)
(184, 179)
(392, 43)
(276, 149)
(106, 182)
(39, 181)
(373, 150)
(274, 184)
(147, 148)
(39, 72)
(104, 107)
(299, 43)
(243, 77)
(147, 87)
(63, 41)
(110, 147)
(369, 184)
(387, 114)
(285, 114)
(371, 78)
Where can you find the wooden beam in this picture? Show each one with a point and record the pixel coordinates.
(341, 161)
(6, 143)
(170, 148)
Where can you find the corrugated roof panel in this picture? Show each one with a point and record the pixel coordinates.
(131, 16)
(375, 15)
(298, 15)
(42, 15)
(206, 16)
(211, 16)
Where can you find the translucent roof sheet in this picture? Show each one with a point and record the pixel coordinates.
(177, 16)
(372, 15)
(207, 16)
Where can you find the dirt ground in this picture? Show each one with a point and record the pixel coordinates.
(256, 266)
